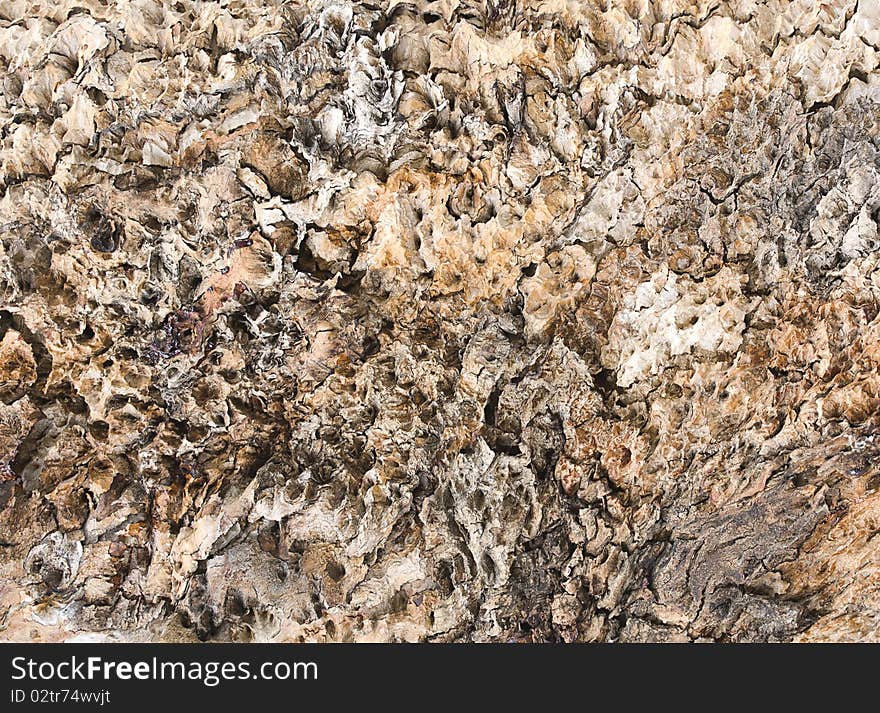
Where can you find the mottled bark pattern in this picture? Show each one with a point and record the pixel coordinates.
(450, 320)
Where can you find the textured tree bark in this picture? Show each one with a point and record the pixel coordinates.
(439, 321)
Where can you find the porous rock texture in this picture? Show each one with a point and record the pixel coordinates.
(442, 320)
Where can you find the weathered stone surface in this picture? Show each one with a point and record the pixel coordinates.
(335, 320)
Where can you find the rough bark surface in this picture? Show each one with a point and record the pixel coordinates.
(439, 321)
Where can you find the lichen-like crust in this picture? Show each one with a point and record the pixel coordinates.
(448, 320)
